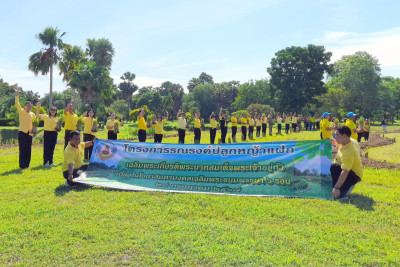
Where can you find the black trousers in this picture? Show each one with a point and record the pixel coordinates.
(287, 128)
(66, 138)
(270, 125)
(251, 130)
(351, 179)
(213, 133)
(317, 125)
(181, 134)
(49, 144)
(224, 131)
(294, 126)
(158, 138)
(88, 150)
(264, 128)
(258, 131)
(142, 135)
(76, 173)
(279, 128)
(25, 149)
(366, 136)
(234, 131)
(111, 135)
(197, 135)
(359, 136)
(244, 133)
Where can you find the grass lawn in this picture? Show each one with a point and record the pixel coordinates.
(42, 222)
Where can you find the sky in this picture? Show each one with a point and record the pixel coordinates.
(177, 40)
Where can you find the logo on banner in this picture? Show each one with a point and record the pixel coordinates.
(106, 150)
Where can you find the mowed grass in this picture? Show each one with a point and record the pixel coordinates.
(391, 153)
(42, 222)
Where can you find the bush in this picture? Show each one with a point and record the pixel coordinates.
(6, 122)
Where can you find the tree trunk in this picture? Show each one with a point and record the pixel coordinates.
(51, 87)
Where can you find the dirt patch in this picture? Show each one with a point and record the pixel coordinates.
(375, 140)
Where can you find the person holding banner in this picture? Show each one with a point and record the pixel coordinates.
(223, 124)
(181, 116)
(243, 122)
(197, 128)
(159, 128)
(49, 135)
(26, 116)
(88, 135)
(234, 121)
(142, 126)
(348, 169)
(213, 128)
(71, 121)
(112, 126)
(73, 164)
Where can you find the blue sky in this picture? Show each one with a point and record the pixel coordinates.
(177, 40)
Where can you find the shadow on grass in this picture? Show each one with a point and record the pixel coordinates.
(63, 189)
(362, 202)
(15, 171)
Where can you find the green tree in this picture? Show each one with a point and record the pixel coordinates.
(204, 95)
(204, 78)
(260, 109)
(297, 74)
(176, 91)
(100, 51)
(168, 103)
(127, 87)
(359, 74)
(335, 101)
(253, 92)
(71, 57)
(44, 60)
(226, 93)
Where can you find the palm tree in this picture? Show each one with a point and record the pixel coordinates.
(43, 61)
(72, 56)
(100, 51)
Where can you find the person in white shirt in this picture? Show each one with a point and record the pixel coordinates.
(181, 116)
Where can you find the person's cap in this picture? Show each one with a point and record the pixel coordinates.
(326, 113)
(351, 114)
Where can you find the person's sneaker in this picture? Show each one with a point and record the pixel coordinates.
(46, 164)
(53, 164)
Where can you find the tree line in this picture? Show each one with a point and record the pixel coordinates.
(300, 79)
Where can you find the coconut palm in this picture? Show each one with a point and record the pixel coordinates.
(43, 61)
(100, 51)
(71, 57)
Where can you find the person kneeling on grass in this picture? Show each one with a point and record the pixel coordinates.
(73, 164)
(348, 169)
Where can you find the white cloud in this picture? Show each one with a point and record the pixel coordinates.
(383, 45)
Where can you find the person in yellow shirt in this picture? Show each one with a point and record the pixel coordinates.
(287, 124)
(213, 128)
(367, 128)
(159, 128)
(294, 122)
(112, 126)
(88, 135)
(142, 126)
(258, 125)
(197, 128)
(325, 126)
(243, 122)
(234, 121)
(49, 135)
(182, 124)
(350, 123)
(264, 125)
(26, 117)
(348, 169)
(279, 122)
(252, 122)
(71, 121)
(73, 165)
(223, 125)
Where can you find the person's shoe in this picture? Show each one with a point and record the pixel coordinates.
(68, 185)
(53, 164)
(46, 164)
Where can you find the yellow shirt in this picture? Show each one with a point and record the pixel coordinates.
(325, 133)
(313, 119)
(142, 123)
(182, 123)
(73, 156)
(251, 122)
(111, 123)
(71, 121)
(87, 125)
(265, 120)
(348, 157)
(287, 120)
(158, 127)
(367, 127)
(234, 121)
(50, 123)
(258, 122)
(213, 123)
(279, 120)
(243, 120)
(352, 126)
(294, 119)
(25, 118)
(197, 123)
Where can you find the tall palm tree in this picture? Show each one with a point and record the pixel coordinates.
(100, 51)
(43, 61)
